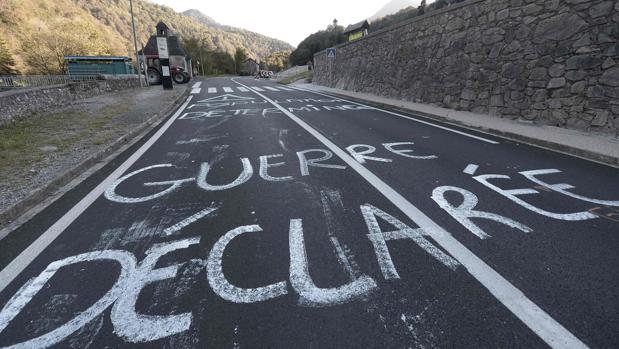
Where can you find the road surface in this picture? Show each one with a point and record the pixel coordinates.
(267, 216)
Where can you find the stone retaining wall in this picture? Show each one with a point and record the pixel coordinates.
(21, 103)
(548, 61)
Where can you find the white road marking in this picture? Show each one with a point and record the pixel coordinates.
(561, 188)
(188, 221)
(256, 88)
(534, 317)
(136, 327)
(242, 89)
(223, 288)
(228, 89)
(195, 90)
(302, 282)
(11, 271)
(471, 169)
(197, 84)
(285, 88)
(405, 117)
(464, 212)
(271, 88)
(212, 90)
(341, 257)
(14, 306)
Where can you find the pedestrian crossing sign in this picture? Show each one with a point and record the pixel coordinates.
(331, 52)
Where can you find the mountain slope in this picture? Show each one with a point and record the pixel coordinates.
(89, 27)
(392, 7)
(258, 45)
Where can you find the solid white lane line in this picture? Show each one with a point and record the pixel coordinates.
(228, 89)
(242, 89)
(471, 169)
(271, 88)
(405, 117)
(195, 90)
(11, 271)
(212, 90)
(197, 84)
(256, 88)
(547, 328)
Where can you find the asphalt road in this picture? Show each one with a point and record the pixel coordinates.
(267, 216)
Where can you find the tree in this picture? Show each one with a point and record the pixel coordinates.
(277, 61)
(422, 8)
(240, 55)
(317, 42)
(44, 51)
(7, 63)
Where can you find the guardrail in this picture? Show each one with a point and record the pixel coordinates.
(23, 81)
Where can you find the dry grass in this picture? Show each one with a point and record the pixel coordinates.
(23, 144)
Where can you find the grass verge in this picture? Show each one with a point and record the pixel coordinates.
(307, 75)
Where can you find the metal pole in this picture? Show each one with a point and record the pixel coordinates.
(135, 43)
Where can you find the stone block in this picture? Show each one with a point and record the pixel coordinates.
(492, 36)
(558, 28)
(538, 74)
(556, 83)
(600, 119)
(578, 87)
(601, 9)
(610, 77)
(583, 62)
(595, 92)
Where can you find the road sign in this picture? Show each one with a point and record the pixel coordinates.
(331, 52)
(162, 47)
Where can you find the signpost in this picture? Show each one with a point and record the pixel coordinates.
(164, 61)
(331, 52)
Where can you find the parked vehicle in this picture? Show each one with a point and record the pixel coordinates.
(179, 75)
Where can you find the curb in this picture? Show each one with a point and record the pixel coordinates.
(10, 216)
(540, 143)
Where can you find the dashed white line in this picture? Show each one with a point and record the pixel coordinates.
(271, 88)
(195, 90)
(471, 169)
(11, 271)
(212, 90)
(534, 317)
(285, 88)
(197, 84)
(242, 89)
(405, 117)
(228, 89)
(256, 88)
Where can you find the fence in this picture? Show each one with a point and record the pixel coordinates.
(23, 81)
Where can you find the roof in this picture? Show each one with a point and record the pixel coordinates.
(174, 47)
(98, 58)
(357, 26)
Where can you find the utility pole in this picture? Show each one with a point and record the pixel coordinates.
(135, 44)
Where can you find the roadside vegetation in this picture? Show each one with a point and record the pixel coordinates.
(306, 75)
(408, 13)
(26, 143)
(40, 33)
(317, 42)
(333, 35)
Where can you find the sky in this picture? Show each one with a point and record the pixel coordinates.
(291, 21)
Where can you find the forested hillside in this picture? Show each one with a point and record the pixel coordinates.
(40, 32)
